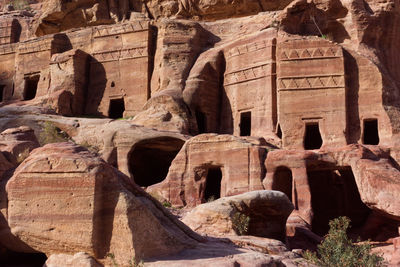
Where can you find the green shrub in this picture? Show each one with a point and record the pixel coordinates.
(51, 134)
(20, 4)
(132, 262)
(337, 250)
(240, 223)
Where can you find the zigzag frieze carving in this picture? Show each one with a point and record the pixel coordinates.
(36, 46)
(312, 82)
(7, 49)
(118, 29)
(243, 49)
(245, 75)
(136, 52)
(310, 53)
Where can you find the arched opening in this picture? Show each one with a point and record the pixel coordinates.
(31, 84)
(1, 92)
(149, 160)
(283, 181)
(312, 137)
(212, 189)
(245, 124)
(371, 133)
(201, 122)
(334, 193)
(116, 109)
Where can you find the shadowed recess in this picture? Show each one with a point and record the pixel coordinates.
(149, 160)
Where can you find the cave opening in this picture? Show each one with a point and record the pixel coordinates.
(245, 124)
(334, 193)
(212, 189)
(12, 258)
(283, 181)
(371, 133)
(201, 122)
(116, 109)
(149, 160)
(312, 137)
(1, 92)
(31, 85)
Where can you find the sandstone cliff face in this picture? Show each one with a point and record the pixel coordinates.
(195, 101)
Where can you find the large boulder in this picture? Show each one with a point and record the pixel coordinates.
(63, 199)
(259, 213)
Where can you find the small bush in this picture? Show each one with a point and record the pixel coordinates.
(132, 262)
(51, 134)
(20, 4)
(22, 156)
(337, 250)
(240, 223)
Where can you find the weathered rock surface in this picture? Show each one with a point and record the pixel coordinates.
(17, 143)
(78, 260)
(264, 212)
(196, 174)
(76, 202)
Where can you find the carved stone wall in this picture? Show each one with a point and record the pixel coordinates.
(119, 68)
(250, 85)
(311, 91)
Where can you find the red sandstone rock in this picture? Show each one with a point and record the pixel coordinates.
(78, 260)
(84, 204)
(196, 174)
(266, 212)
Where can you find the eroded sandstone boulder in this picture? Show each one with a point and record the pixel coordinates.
(17, 143)
(78, 260)
(260, 213)
(63, 199)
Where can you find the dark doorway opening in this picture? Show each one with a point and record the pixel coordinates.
(149, 160)
(212, 190)
(245, 124)
(31, 84)
(371, 133)
(201, 122)
(279, 132)
(116, 109)
(1, 92)
(283, 181)
(334, 193)
(11, 258)
(312, 137)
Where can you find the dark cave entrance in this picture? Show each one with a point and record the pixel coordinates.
(1, 92)
(31, 85)
(279, 132)
(312, 137)
(245, 124)
(11, 258)
(116, 109)
(201, 122)
(334, 193)
(149, 160)
(212, 189)
(371, 133)
(283, 181)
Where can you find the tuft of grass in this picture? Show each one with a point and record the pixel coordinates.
(131, 263)
(51, 134)
(337, 250)
(20, 4)
(22, 156)
(240, 223)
